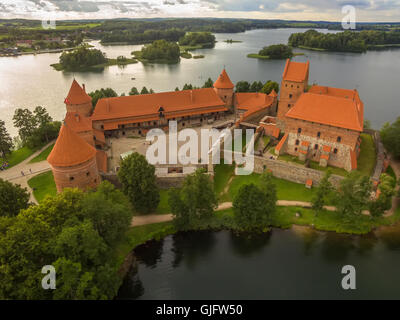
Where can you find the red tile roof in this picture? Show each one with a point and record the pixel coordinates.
(309, 183)
(223, 81)
(253, 102)
(334, 110)
(78, 122)
(305, 143)
(326, 148)
(99, 136)
(70, 149)
(77, 95)
(296, 71)
(147, 105)
(325, 156)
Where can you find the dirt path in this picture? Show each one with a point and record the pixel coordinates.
(157, 218)
(30, 170)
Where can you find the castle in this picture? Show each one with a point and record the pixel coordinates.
(319, 123)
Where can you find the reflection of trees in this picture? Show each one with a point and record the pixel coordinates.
(246, 244)
(192, 246)
(310, 238)
(390, 236)
(132, 287)
(150, 252)
(366, 243)
(336, 247)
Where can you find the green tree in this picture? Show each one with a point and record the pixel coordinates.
(323, 192)
(387, 189)
(26, 123)
(250, 208)
(209, 83)
(194, 202)
(277, 51)
(134, 91)
(269, 86)
(6, 143)
(268, 187)
(390, 135)
(139, 183)
(102, 93)
(256, 86)
(242, 86)
(144, 91)
(43, 121)
(353, 195)
(13, 198)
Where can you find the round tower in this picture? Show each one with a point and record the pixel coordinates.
(73, 162)
(224, 88)
(78, 100)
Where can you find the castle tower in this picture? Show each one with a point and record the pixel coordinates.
(224, 88)
(78, 100)
(73, 162)
(294, 83)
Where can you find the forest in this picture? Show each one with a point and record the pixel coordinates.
(347, 41)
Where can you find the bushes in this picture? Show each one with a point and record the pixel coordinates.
(277, 51)
(161, 50)
(82, 57)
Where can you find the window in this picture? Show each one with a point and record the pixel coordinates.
(316, 147)
(299, 130)
(292, 86)
(155, 123)
(295, 149)
(286, 85)
(339, 139)
(123, 133)
(140, 131)
(297, 142)
(335, 151)
(102, 127)
(123, 126)
(183, 124)
(298, 87)
(319, 134)
(138, 124)
(290, 95)
(289, 105)
(71, 178)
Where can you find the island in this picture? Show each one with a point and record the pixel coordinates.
(347, 41)
(85, 59)
(197, 40)
(275, 51)
(160, 51)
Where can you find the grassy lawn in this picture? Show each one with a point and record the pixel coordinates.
(43, 185)
(163, 207)
(17, 156)
(367, 159)
(43, 155)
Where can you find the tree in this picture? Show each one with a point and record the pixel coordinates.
(268, 187)
(323, 191)
(161, 50)
(102, 93)
(269, 86)
(250, 208)
(387, 189)
(6, 143)
(43, 121)
(134, 91)
(209, 83)
(139, 183)
(65, 231)
(144, 91)
(242, 86)
(277, 51)
(353, 195)
(256, 86)
(13, 198)
(390, 135)
(26, 123)
(195, 202)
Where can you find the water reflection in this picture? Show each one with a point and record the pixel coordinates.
(150, 252)
(247, 244)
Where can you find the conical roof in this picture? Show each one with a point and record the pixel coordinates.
(223, 81)
(77, 95)
(273, 93)
(70, 149)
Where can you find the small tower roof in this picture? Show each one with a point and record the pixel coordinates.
(77, 94)
(223, 81)
(273, 93)
(70, 149)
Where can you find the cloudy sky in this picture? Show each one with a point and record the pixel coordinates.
(331, 10)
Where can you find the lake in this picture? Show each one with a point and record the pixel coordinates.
(28, 81)
(286, 264)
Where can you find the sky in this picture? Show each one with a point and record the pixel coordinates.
(327, 10)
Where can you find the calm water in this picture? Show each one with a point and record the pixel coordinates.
(28, 81)
(285, 264)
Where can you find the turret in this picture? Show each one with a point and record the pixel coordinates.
(73, 162)
(224, 88)
(78, 100)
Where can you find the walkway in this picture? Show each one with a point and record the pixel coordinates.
(157, 218)
(14, 174)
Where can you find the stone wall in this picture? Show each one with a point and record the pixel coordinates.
(292, 172)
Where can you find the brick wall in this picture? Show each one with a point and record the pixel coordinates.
(85, 108)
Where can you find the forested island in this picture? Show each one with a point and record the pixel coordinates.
(347, 41)
(197, 40)
(275, 51)
(85, 59)
(160, 51)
